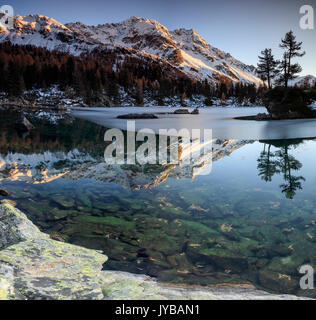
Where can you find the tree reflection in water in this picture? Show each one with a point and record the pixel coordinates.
(282, 163)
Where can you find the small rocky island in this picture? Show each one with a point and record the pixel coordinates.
(286, 103)
(35, 267)
(132, 116)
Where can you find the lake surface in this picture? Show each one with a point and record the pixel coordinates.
(251, 220)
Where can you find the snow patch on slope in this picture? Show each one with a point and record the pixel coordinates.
(304, 81)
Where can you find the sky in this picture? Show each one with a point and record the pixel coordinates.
(241, 27)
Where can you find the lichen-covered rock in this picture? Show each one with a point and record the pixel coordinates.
(15, 227)
(44, 268)
(6, 283)
(48, 269)
(127, 286)
(7, 289)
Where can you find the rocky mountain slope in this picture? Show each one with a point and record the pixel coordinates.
(184, 49)
(304, 81)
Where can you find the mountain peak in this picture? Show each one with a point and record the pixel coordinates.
(190, 34)
(184, 49)
(134, 20)
(308, 81)
(37, 22)
(184, 31)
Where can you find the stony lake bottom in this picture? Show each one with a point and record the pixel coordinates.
(251, 220)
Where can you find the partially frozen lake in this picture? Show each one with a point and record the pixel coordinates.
(220, 120)
(250, 220)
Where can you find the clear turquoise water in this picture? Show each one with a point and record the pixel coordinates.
(253, 219)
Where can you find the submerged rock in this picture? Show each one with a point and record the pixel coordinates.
(277, 281)
(4, 193)
(33, 266)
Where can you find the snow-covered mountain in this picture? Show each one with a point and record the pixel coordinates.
(45, 32)
(184, 49)
(305, 81)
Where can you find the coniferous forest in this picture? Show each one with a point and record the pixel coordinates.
(108, 73)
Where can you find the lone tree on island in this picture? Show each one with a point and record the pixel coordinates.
(292, 49)
(267, 66)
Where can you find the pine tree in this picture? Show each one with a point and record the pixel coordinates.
(267, 66)
(292, 49)
(283, 69)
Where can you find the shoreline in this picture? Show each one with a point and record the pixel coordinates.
(62, 107)
(255, 118)
(26, 107)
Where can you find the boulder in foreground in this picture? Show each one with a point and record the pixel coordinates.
(33, 266)
(15, 227)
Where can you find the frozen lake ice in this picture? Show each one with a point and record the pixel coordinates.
(220, 120)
